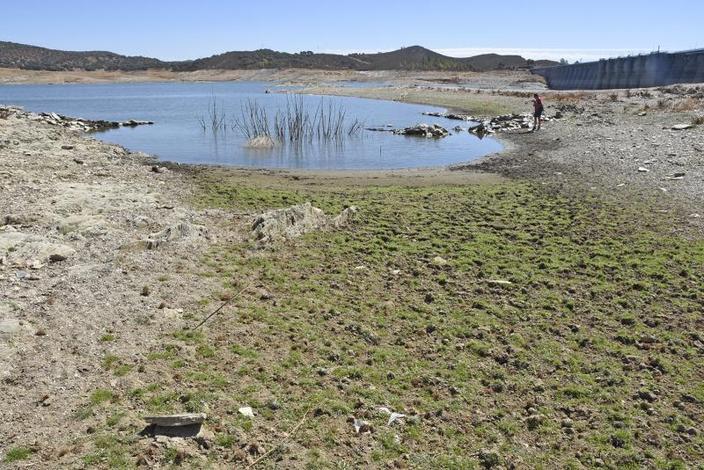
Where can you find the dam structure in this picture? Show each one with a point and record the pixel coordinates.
(641, 71)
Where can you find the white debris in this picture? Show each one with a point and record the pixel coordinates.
(247, 411)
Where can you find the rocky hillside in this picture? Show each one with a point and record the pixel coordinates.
(415, 58)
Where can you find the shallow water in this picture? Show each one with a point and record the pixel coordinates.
(177, 135)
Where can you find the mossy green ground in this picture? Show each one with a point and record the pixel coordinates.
(590, 354)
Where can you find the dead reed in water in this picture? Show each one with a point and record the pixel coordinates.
(296, 122)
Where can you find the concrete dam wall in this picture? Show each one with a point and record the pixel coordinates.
(656, 69)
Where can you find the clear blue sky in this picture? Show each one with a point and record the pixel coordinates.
(185, 29)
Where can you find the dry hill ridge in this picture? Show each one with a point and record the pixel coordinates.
(415, 58)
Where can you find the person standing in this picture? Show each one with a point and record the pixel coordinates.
(537, 112)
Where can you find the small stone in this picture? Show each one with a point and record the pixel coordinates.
(439, 261)
(187, 419)
(361, 426)
(246, 411)
(57, 257)
(67, 147)
(255, 449)
(643, 170)
(648, 396)
(273, 405)
(145, 291)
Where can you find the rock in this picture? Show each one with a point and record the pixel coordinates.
(187, 419)
(135, 123)
(286, 223)
(682, 127)
(67, 147)
(499, 282)
(393, 416)
(642, 169)
(57, 257)
(439, 261)
(177, 232)
(345, 217)
(360, 426)
(294, 221)
(273, 405)
(424, 130)
(255, 449)
(158, 169)
(246, 411)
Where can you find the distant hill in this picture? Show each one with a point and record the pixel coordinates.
(13, 55)
(415, 58)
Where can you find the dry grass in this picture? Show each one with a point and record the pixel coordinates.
(573, 97)
(687, 104)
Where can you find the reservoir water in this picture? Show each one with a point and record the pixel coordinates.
(177, 135)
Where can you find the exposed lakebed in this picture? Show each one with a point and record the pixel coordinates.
(176, 109)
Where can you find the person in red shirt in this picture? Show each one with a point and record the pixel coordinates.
(537, 112)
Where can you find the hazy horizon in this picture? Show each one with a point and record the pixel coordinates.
(182, 30)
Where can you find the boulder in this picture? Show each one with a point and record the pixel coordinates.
(286, 223)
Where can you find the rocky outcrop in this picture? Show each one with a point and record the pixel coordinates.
(77, 124)
(180, 231)
(294, 221)
(505, 122)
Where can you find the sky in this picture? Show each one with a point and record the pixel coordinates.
(189, 29)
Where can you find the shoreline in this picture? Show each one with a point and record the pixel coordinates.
(516, 79)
